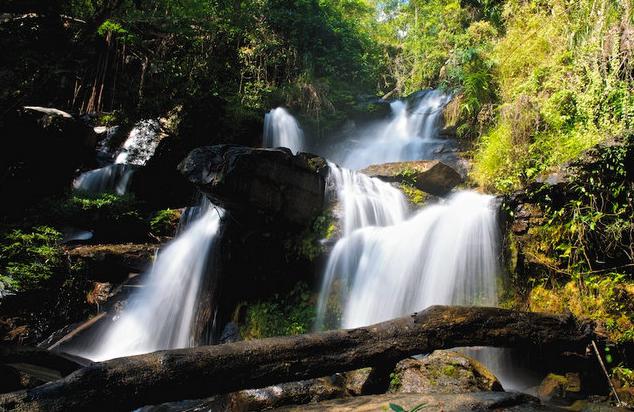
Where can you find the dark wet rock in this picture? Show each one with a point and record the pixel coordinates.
(431, 176)
(230, 333)
(559, 387)
(112, 262)
(369, 381)
(443, 372)
(357, 381)
(475, 401)
(42, 148)
(272, 183)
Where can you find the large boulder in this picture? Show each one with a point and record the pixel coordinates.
(442, 372)
(431, 176)
(41, 150)
(272, 183)
(201, 121)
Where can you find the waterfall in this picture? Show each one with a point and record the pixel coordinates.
(140, 144)
(113, 178)
(135, 151)
(411, 133)
(161, 314)
(444, 254)
(282, 130)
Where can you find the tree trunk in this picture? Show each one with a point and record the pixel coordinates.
(127, 383)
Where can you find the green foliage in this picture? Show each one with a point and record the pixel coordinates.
(415, 196)
(282, 315)
(307, 245)
(164, 222)
(29, 259)
(563, 86)
(395, 381)
(585, 243)
(103, 204)
(397, 408)
(112, 28)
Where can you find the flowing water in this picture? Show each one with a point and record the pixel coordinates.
(135, 151)
(140, 144)
(411, 132)
(161, 314)
(444, 254)
(114, 178)
(282, 130)
(391, 261)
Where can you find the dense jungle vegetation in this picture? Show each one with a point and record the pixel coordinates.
(539, 86)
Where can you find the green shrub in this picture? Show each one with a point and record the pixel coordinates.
(165, 222)
(282, 315)
(28, 259)
(87, 209)
(307, 245)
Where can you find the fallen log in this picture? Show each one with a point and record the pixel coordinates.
(127, 383)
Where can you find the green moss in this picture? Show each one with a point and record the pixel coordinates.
(105, 209)
(281, 315)
(414, 195)
(408, 176)
(29, 259)
(450, 371)
(395, 382)
(164, 222)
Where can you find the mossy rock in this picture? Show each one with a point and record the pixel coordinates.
(442, 372)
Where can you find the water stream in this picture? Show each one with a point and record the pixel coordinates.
(135, 151)
(161, 314)
(282, 130)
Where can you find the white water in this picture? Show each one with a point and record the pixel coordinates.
(282, 130)
(444, 254)
(162, 313)
(135, 151)
(411, 133)
(140, 144)
(113, 178)
(390, 262)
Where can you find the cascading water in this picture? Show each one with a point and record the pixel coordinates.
(411, 133)
(140, 144)
(113, 178)
(388, 265)
(161, 314)
(444, 254)
(282, 130)
(389, 261)
(135, 151)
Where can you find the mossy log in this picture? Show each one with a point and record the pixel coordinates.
(127, 383)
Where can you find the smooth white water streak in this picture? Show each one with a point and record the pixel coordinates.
(444, 254)
(282, 130)
(162, 313)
